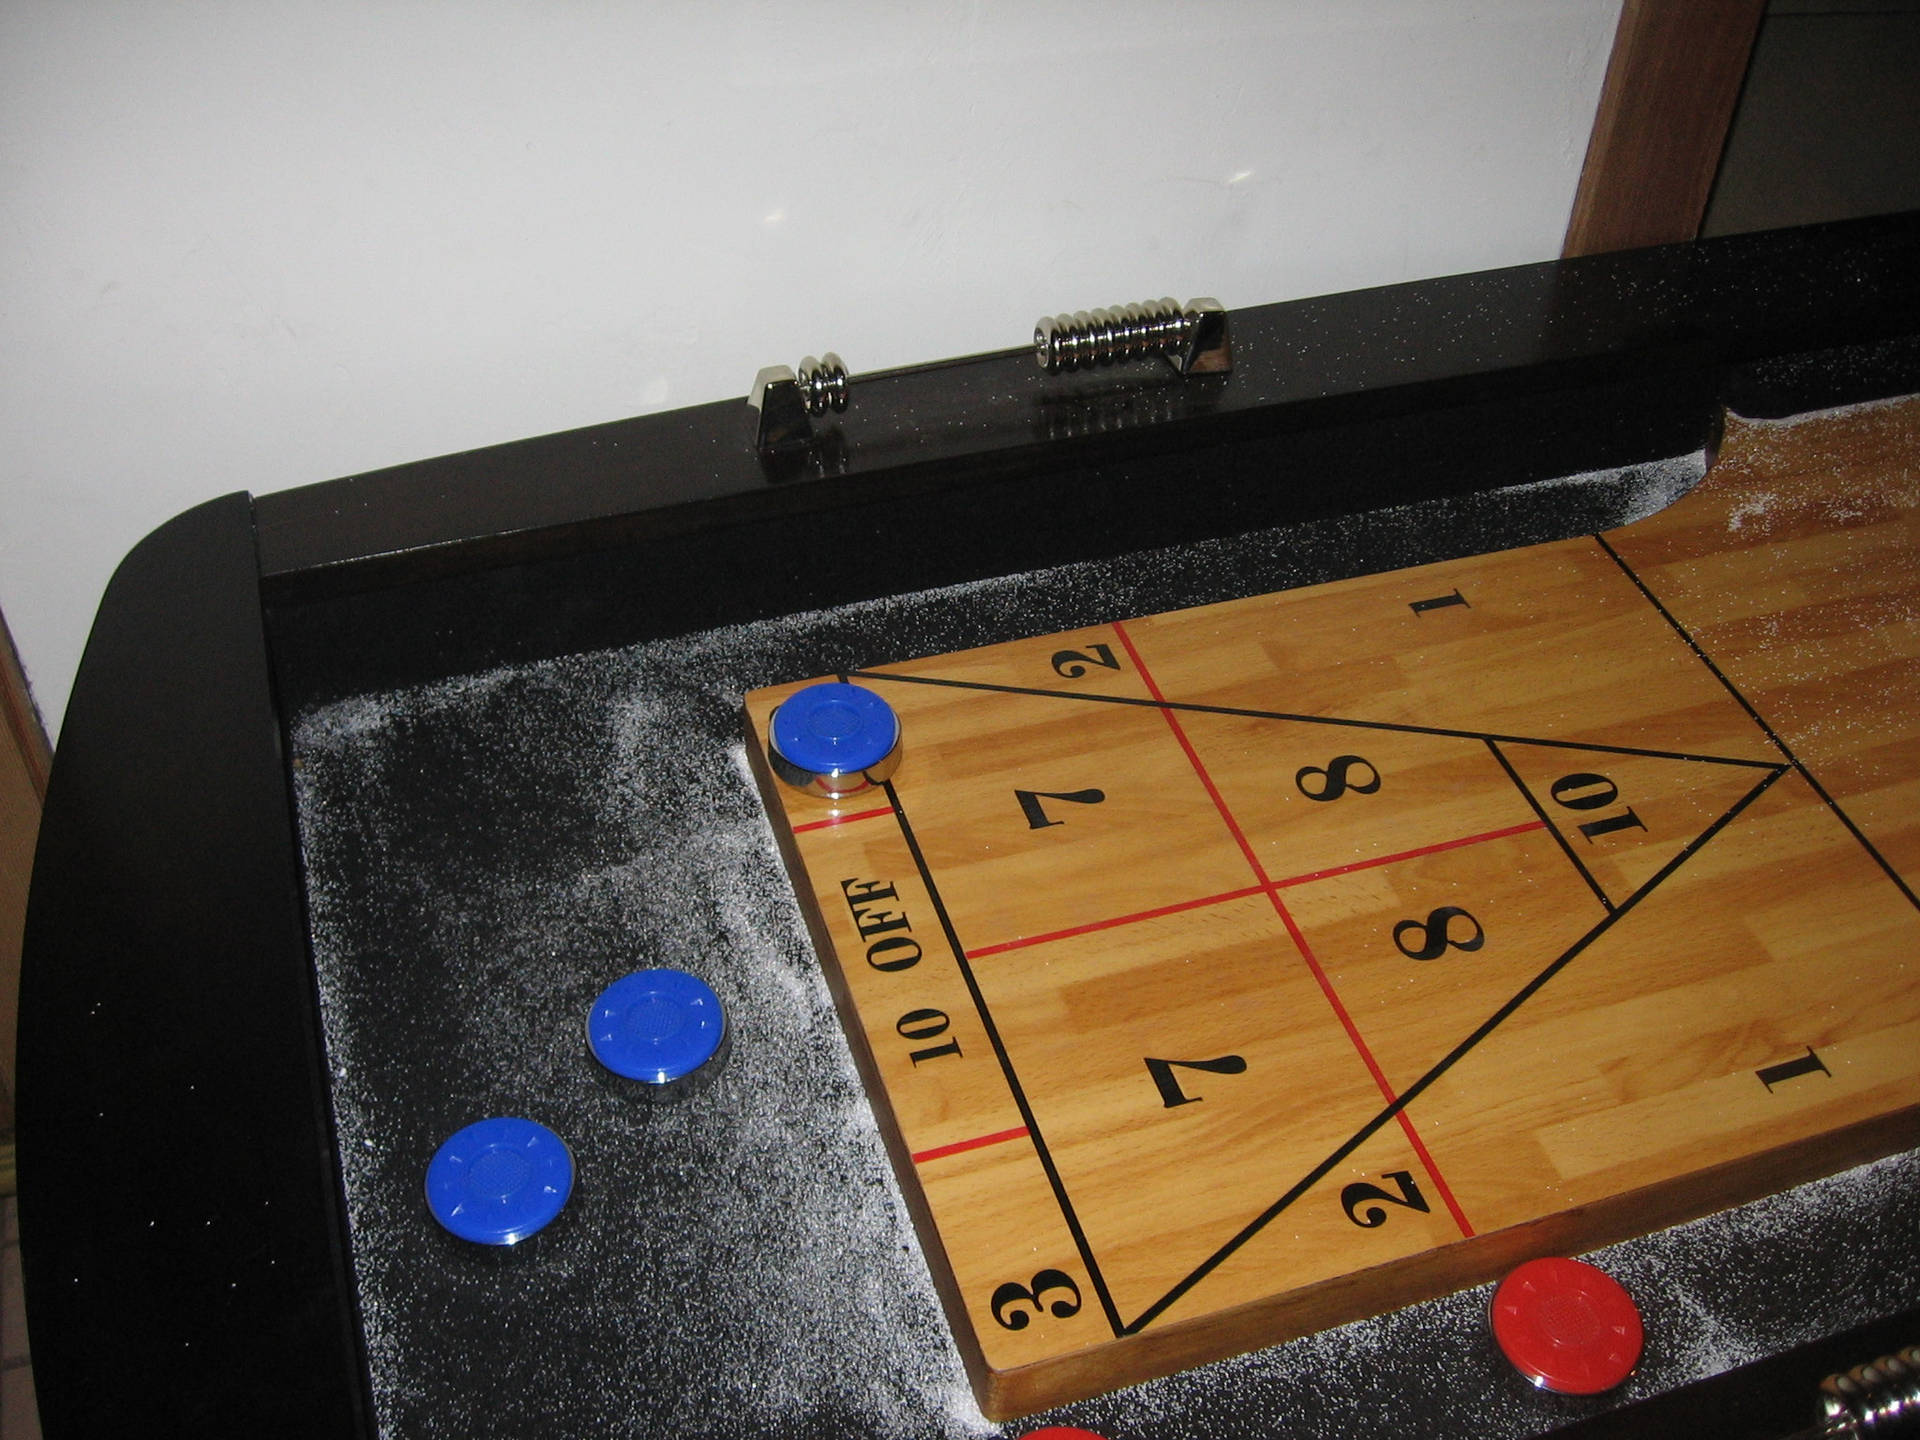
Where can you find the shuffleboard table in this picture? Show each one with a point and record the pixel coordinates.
(1433, 793)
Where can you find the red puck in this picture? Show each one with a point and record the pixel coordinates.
(1567, 1327)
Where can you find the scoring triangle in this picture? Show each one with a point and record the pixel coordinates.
(1623, 815)
(1162, 1062)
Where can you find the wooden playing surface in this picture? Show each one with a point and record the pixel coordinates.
(1222, 975)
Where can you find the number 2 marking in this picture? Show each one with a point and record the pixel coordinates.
(1072, 664)
(1371, 1218)
(1169, 1084)
(1037, 817)
(1010, 1295)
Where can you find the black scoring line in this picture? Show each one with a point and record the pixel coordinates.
(1552, 829)
(1394, 725)
(1760, 720)
(1006, 1065)
(1447, 1062)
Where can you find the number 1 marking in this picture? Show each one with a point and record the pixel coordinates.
(1438, 602)
(1807, 1064)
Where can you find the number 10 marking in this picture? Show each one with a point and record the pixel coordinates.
(1587, 791)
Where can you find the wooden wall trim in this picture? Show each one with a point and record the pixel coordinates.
(19, 830)
(1665, 108)
(23, 721)
(23, 790)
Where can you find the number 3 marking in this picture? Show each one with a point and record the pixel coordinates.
(1044, 1283)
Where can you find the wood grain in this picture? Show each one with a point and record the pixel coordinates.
(1423, 923)
(1665, 107)
(23, 789)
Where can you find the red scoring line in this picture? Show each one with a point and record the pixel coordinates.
(1300, 940)
(1410, 854)
(1088, 929)
(974, 1144)
(1373, 1067)
(1095, 925)
(1193, 757)
(842, 819)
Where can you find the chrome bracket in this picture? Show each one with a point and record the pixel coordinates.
(1192, 338)
(787, 402)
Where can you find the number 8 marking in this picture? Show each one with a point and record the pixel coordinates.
(1336, 779)
(1436, 934)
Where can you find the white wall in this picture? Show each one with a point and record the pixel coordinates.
(255, 244)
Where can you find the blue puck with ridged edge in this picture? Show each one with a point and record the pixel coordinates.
(499, 1180)
(656, 1026)
(834, 739)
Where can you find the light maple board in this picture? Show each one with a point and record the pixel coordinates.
(1222, 975)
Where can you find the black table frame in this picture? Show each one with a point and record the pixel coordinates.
(183, 1228)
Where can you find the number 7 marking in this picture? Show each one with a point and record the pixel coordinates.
(1037, 817)
(1169, 1084)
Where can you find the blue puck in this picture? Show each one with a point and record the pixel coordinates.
(831, 730)
(655, 1025)
(499, 1180)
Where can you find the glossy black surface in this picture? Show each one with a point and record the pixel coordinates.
(185, 1254)
(1714, 308)
(1192, 486)
(1770, 1400)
